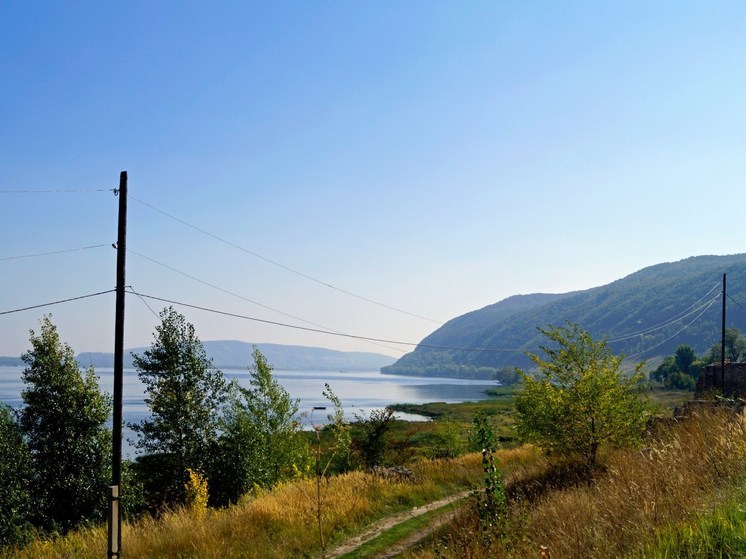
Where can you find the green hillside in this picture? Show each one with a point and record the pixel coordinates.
(644, 315)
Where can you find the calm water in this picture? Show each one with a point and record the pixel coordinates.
(360, 392)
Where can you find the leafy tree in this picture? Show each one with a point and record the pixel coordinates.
(580, 399)
(15, 473)
(680, 381)
(735, 347)
(678, 371)
(684, 358)
(64, 423)
(261, 442)
(370, 434)
(184, 393)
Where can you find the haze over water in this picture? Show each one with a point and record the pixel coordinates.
(360, 392)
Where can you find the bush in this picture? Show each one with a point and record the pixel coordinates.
(370, 434)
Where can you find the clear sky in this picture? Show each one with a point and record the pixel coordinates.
(432, 156)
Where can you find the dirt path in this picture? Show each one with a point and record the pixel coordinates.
(382, 525)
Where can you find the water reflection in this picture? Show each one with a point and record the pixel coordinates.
(360, 392)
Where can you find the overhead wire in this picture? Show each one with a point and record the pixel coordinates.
(280, 265)
(56, 190)
(238, 296)
(736, 302)
(57, 302)
(327, 332)
(674, 319)
(52, 252)
(155, 314)
(712, 302)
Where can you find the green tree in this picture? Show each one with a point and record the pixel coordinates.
(184, 393)
(64, 422)
(15, 473)
(735, 347)
(684, 357)
(370, 436)
(580, 399)
(678, 371)
(261, 442)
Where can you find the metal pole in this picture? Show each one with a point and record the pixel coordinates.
(115, 518)
(722, 346)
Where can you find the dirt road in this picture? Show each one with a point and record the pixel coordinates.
(387, 523)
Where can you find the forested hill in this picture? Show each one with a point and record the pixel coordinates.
(649, 312)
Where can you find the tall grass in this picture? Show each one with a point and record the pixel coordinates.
(719, 534)
(689, 467)
(274, 524)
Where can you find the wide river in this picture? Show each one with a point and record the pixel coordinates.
(360, 392)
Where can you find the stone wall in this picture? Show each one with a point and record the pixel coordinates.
(735, 380)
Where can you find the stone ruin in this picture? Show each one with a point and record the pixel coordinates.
(734, 381)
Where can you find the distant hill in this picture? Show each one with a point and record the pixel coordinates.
(231, 354)
(636, 314)
(10, 361)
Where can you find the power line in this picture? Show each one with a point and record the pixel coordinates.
(155, 314)
(675, 318)
(57, 191)
(50, 253)
(231, 293)
(284, 267)
(57, 302)
(736, 302)
(712, 302)
(329, 332)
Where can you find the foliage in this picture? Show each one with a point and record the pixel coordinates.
(63, 421)
(482, 433)
(492, 506)
(195, 490)
(274, 524)
(341, 459)
(445, 440)
(679, 371)
(663, 502)
(261, 442)
(438, 365)
(717, 534)
(184, 394)
(580, 399)
(369, 437)
(15, 473)
(133, 500)
(735, 348)
(624, 310)
(340, 446)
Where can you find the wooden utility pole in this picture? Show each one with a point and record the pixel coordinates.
(115, 517)
(722, 346)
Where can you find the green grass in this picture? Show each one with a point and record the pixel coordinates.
(720, 534)
(669, 399)
(396, 534)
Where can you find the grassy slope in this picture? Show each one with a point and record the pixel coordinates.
(678, 498)
(280, 523)
(272, 525)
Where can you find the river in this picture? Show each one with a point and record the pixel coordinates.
(360, 392)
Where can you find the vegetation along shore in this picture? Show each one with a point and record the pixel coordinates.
(580, 457)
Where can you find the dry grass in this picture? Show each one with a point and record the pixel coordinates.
(269, 525)
(689, 467)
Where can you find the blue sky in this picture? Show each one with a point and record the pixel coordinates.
(436, 157)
